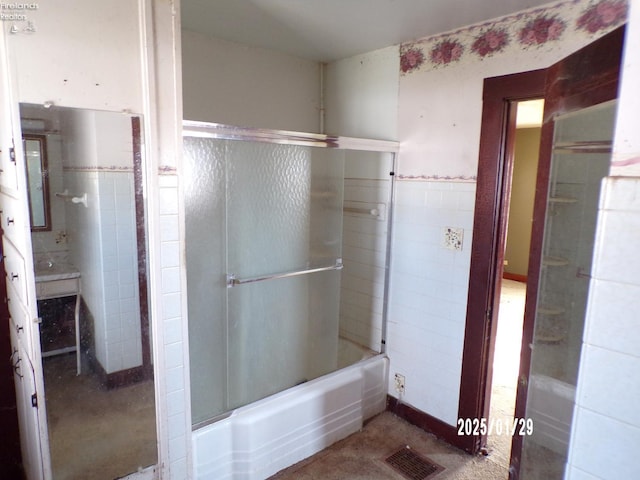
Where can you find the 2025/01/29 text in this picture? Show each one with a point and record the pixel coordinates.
(498, 426)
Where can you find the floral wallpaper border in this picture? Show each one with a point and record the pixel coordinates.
(438, 178)
(526, 30)
(98, 168)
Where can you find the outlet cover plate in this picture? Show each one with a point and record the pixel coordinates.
(453, 238)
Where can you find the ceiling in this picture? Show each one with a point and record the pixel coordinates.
(326, 30)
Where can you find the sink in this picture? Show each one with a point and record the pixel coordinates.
(47, 272)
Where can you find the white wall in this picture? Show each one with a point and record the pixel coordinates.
(229, 83)
(82, 54)
(361, 95)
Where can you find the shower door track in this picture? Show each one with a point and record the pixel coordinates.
(227, 132)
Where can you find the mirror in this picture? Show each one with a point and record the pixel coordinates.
(35, 153)
(91, 287)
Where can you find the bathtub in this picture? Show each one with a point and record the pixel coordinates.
(260, 439)
(550, 405)
(350, 353)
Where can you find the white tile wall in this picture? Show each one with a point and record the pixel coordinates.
(175, 409)
(606, 423)
(119, 271)
(364, 248)
(428, 305)
(102, 245)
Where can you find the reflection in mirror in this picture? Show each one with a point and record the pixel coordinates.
(91, 285)
(35, 155)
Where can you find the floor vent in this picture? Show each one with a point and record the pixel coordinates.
(413, 466)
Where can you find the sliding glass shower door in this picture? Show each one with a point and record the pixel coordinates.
(264, 235)
(284, 220)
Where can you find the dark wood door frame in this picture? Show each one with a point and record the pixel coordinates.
(489, 233)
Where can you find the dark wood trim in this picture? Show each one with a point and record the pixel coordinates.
(490, 217)
(141, 242)
(121, 378)
(514, 276)
(426, 422)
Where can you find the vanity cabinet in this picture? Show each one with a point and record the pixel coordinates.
(59, 285)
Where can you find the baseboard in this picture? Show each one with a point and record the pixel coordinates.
(121, 378)
(426, 422)
(514, 276)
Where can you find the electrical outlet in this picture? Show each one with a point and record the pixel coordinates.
(453, 238)
(399, 383)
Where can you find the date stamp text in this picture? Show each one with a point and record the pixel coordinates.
(495, 426)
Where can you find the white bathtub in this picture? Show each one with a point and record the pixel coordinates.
(350, 353)
(258, 440)
(550, 405)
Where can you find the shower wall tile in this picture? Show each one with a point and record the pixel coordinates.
(603, 446)
(170, 254)
(175, 379)
(617, 242)
(611, 326)
(171, 305)
(171, 280)
(169, 228)
(172, 330)
(119, 281)
(606, 423)
(172, 333)
(173, 355)
(610, 383)
(574, 473)
(428, 298)
(168, 195)
(364, 246)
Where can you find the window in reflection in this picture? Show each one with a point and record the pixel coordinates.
(35, 153)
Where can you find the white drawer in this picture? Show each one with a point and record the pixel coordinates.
(15, 271)
(14, 218)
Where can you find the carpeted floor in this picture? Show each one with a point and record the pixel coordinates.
(96, 433)
(362, 456)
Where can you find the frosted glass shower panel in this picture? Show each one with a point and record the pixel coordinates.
(274, 262)
(282, 199)
(284, 216)
(281, 333)
(580, 160)
(205, 223)
(581, 155)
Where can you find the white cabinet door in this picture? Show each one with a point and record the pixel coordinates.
(20, 294)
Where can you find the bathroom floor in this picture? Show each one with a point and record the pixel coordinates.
(362, 455)
(93, 432)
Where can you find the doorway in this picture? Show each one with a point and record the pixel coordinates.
(512, 288)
